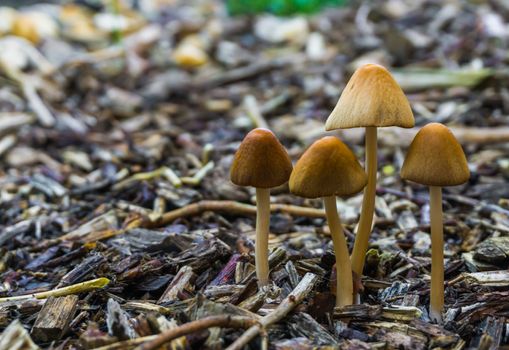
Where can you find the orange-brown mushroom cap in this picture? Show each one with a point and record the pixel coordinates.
(327, 168)
(435, 158)
(371, 98)
(261, 161)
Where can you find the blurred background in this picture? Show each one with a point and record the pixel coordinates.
(89, 88)
(93, 83)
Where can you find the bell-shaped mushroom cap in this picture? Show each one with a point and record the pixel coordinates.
(435, 158)
(371, 98)
(327, 168)
(261, 161)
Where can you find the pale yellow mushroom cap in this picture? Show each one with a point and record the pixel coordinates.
(435, 158)
(261, 161)
(327, 168)
(371, 98)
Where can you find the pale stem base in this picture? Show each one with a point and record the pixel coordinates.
(437, 254)
(344, 282)
(368, 204)
(262, 235)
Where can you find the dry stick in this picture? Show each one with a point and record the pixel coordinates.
(82, 287)
(127, 344)
(6, 143)
(29, 90)
(368, 204)
(344, 281)
(237, 74)
(253, 112)
(288, 304)
(230, 207)
(221, 206)
(469, 135)
(237, 208)
(225, 321)
(262, 235)
(38, 107)
(437, 254)
(398, 137)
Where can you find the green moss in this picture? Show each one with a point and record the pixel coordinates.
(279, 7)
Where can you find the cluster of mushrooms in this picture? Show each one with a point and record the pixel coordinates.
(328, 168)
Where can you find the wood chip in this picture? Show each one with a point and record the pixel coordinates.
(54, 318)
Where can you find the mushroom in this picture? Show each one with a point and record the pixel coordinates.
(371, 99)
(328, 168)
(261, 162)
(436, 159)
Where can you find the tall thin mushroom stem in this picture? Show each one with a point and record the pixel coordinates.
(437, 254)
(344, 282)
(368, 203)
(262, 235)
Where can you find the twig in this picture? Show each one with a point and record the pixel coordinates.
(98, 283)
(225, 321)
(11, 121)
(288, 304)
(403, 137)
(38, 107)
(236, 208)
(481, 205)
(135, 42)
(417, 199)
(237, 74)
(165, 172)
(469, 135)
(199, 176)
(254, 113)
(15, 230)
(127, 344)
(6, 143)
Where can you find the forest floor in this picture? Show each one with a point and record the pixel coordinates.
(115, 196)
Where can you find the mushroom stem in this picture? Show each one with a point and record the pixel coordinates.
(368, 204)
(262, 235)
(344, 282)
(437, 254)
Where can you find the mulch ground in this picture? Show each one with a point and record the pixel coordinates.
(115, 194)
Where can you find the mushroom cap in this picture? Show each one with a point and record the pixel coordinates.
(328, 167)
(435, 158)
(371, 98)
(261, 161)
